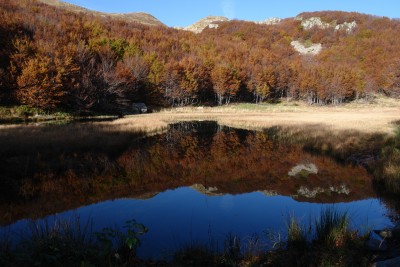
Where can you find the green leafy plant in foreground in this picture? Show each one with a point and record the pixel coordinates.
(125, 242)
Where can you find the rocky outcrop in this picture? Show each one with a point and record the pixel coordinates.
(348, 26)
(304, 169)
(208, 22)
(270, 21)
(209, 191)
(312, 193)
(312, 22)
(307, 24)
(309, 193)
(213, 26)
(269, 193)
(313, 49)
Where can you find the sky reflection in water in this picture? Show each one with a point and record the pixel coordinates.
(183, 216)
(152, 181)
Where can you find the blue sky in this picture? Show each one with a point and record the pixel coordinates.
(186, 12)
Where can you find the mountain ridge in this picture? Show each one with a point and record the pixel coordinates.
(138, 17)
(211, 21)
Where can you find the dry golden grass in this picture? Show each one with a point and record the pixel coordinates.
(377, 117)
(144, 123)
(363, 117)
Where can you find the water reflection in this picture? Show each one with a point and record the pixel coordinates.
(213, 159)
(195, 182)
(185, 216)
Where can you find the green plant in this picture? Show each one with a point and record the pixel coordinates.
(124, 243)
(26, 110)
(134, 230)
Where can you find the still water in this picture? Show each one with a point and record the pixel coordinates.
(194, 184)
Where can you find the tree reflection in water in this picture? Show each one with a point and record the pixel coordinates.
(58, 176)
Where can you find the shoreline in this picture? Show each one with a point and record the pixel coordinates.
(365, 119)
(380, 116)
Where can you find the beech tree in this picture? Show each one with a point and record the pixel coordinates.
(261, 82)
(53, 58)
(44, 81)
(225, 83)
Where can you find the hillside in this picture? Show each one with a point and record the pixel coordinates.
(212, 22)
(139, 17)
(52, 58)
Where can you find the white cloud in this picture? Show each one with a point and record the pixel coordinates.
(228, 8)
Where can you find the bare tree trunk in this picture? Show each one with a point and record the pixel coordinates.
(219, 99)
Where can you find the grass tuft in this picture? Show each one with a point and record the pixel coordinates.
(331, 227)
(296, 234)
(332, 244)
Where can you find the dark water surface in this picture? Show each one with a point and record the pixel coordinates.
(195, 183)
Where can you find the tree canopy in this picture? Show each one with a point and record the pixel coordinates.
(54, 58)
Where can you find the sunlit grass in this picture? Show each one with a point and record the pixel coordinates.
(362, 117)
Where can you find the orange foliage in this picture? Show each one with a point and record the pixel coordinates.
(112, 63)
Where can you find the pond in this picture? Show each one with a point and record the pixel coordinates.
(196, 183)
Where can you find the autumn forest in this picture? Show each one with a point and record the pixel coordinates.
(55, 59)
